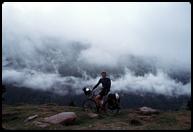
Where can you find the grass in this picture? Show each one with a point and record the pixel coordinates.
(13, 118)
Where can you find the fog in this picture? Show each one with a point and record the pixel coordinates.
(65, 46)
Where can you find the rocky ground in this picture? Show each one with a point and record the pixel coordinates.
(33, 117)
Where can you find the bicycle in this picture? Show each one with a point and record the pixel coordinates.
(111, 103)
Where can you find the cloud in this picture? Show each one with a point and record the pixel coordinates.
(78, 40)
(159, 29)
(160, 83)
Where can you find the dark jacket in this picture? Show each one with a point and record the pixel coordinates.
(106, 83)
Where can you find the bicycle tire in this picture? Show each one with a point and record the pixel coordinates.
(89, 105)
(111, 111)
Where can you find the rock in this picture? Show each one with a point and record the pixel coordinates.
(61, 118)
(41, 124)
(92, 115)
(31, 118)
(135, 122)
(90, 126)
(147, 111)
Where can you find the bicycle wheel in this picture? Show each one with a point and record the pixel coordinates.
(112, 110)
(89, 105)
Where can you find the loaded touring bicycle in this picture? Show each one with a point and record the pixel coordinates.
(111, 103)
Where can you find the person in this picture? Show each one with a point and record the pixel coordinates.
(106, 85)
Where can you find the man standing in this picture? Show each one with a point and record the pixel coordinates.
(106, 84)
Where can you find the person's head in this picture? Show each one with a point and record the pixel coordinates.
(103, 74)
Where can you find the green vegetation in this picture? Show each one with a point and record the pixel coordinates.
(13, 118)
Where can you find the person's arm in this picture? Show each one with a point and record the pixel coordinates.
(97, 84)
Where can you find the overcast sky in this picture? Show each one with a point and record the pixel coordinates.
(153, 29)
(113, 31)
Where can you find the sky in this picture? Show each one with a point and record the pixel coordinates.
(112, 31)
(158, 29)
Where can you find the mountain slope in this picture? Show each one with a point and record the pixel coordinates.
(15, 95)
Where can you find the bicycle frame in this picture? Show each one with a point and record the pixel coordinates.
(91, 95)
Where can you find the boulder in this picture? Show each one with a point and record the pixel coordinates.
(147, 111)
(92, 115)
(61, 118)
(31, 118)
(41, 124)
